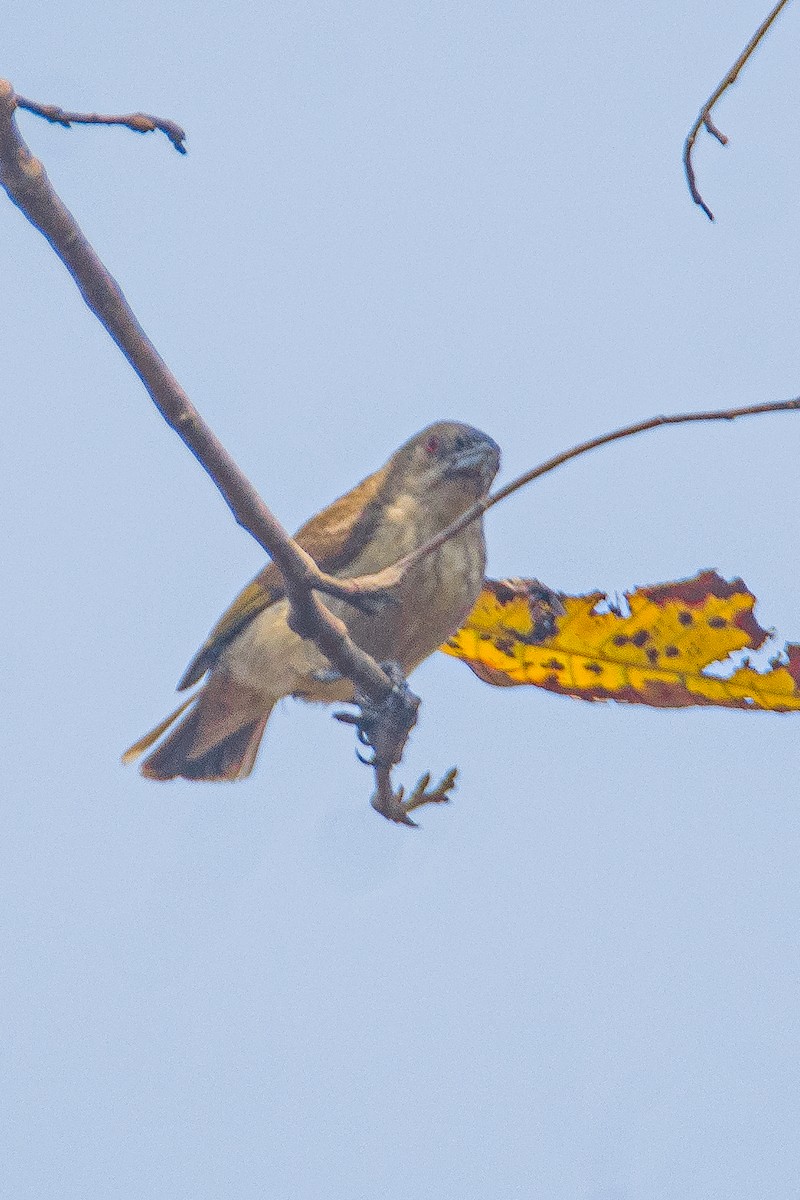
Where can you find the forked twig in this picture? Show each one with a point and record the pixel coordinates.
(704, 116)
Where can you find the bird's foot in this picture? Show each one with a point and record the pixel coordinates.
(395, 807)
(384, 725)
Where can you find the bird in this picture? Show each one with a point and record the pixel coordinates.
(252, 658)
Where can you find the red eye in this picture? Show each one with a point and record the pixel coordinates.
(432, 444)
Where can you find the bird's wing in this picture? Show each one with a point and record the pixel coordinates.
(333, 538)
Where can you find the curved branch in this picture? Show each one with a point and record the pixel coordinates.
(383, 581)
(138, 122)
(704, 117)
(27, 185)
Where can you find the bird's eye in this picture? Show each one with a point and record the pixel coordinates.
(432, 444)
(460, 441)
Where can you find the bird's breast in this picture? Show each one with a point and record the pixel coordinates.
(430, 603)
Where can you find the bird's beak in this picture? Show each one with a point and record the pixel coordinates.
(480, 458)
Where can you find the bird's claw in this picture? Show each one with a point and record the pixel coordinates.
(384, 725)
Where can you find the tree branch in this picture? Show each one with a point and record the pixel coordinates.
(27, 185)
(138, 122)
(704, 117)
(391, 709)
(383, 581)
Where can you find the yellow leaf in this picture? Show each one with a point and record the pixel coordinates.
(659, 654)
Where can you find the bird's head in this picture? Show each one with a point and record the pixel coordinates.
(454, 457)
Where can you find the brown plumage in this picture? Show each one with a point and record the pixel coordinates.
(252, 658)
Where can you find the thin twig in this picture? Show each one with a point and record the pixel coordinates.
(138, 122)
(27, 185)
(704, 117)
(383, 581)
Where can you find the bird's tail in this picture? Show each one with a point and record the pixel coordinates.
(217, 739)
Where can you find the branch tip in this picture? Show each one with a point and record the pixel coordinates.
(138, 122)
(704, 120)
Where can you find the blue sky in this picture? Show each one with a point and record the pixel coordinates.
(580, 979)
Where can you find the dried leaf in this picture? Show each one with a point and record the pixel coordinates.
(656, 654)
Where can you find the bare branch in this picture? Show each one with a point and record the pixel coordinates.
(138, 122)
(388, 708)
(27, 185)
(704, 117)
(384, 581)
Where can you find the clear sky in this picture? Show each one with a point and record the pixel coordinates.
(581, 978)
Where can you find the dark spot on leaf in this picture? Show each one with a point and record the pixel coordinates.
(554, 665)
(595, 668)
(652, 655)
(505, 646)
(671, 651)
(685, 618)
(543, 629)
(717, 622)
(640, 638)
(543, 626)
(620, 640)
